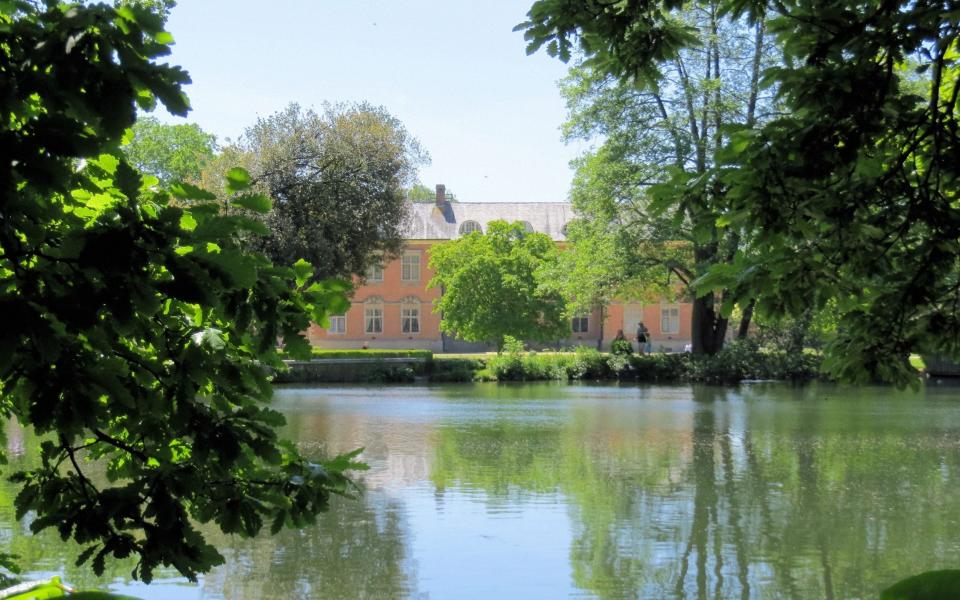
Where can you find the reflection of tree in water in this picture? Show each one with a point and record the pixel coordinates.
(789, 497)
(356, 550)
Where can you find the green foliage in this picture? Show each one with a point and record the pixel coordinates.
(932, 585)
(53, 588)
(745, 360)
(621, 346)
(494, 288)
(846, 195)
(455, 370)
(338, 182)
(161, 8)
(138, 334)
(421, 193)
(171, 153)
(736, 362)
(647, 190)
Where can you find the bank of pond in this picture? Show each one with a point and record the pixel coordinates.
(737, 362)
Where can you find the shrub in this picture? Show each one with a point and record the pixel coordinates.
(508, 364)
(588, 363)
(660, 367)
(621, 347)
(455, 370)
(736, 362)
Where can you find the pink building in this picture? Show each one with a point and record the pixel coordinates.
(393, 308)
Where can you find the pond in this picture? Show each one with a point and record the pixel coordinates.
(553, 491)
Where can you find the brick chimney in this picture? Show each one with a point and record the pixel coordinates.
(441, 194)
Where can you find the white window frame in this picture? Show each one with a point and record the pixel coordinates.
(580, 323)
(667, 313)
(338, 325)
(410, 266)
(469, 227)
(374, 273)
(373, 317)
(410, 317)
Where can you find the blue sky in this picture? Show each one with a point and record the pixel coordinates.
(452, 71)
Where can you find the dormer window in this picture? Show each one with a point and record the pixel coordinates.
(469, 227)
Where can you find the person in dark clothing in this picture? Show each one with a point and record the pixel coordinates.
(643, 338)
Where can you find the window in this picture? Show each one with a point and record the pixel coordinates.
(410, 315)
(469, 227)
(527, 227)
(373, 316)
(580, 323)
(374, 274)
(338, 324)
(411, 267)
(669, 319)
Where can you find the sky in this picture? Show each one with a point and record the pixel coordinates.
(452, 71)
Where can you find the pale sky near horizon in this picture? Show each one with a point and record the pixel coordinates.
(452, 71)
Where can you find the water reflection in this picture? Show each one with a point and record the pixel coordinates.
(768, 492)
(543, 491)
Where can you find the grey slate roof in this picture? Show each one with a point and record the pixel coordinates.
(427, 221)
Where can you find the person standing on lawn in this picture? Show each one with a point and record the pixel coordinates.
(643, 339)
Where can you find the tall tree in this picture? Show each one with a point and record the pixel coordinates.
(137, 333)
(492, 286)
(850, 192)
(337, 180)
(652, 177)
(170, 152)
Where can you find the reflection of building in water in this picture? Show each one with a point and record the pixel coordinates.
(398, 452)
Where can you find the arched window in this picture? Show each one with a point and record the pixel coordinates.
(527, 227)
(563, 230)
(469, 227)
(373, 315)
(410, 315)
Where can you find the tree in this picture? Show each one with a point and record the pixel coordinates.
(849, 193)
(161, 8)
(421, 193)
(337, 181)
(492, 287)
(588, 274)
(137, 333)
(171, 153)
(650, 180)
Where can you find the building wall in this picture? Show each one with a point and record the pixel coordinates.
(391, 292)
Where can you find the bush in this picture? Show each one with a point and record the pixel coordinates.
(455, 370)
(736, 362)
(621, 347)
(660, 367)
(508, 364)
(746, 360)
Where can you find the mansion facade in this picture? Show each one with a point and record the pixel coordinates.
(392, 307)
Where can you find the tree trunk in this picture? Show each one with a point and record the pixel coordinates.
(744, 327)
(708, 329)
(600, 340)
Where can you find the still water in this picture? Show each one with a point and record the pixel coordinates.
(555, 491)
